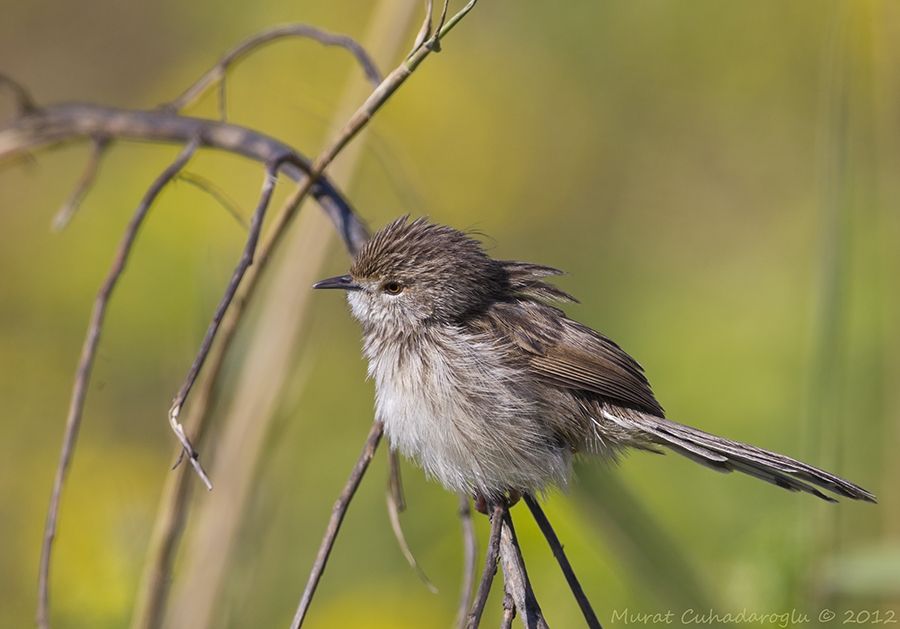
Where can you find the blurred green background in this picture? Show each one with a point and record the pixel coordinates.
(718, 179)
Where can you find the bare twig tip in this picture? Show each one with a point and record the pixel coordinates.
(393, 509)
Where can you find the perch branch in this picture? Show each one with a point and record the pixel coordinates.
(85, 363)
(395, 505)
(516, 579)
(547, 529)
(470, 556)
(245, 261)
(218, 72)
(337, 517)
(68, 209)
(490, 567)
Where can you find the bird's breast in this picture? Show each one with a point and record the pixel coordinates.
(421, 394)
(450, 403)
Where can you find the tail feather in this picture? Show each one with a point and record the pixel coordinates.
(726, 455)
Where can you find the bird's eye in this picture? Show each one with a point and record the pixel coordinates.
(392, 288)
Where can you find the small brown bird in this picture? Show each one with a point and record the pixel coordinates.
(493, 390)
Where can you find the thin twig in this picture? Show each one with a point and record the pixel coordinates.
(218, 71)
(386, 88)
(209, 187)
(547, 529)
(396, 504)
(470, 556)
(268, 187)
(83, 372)
(515, 577)
(338, 511)
(68, 209)
(24, 102)
(436, 43)
(424, 30)
(490, 566)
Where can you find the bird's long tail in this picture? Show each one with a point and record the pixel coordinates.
(726, 455)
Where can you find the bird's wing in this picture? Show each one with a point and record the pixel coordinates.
(573, 356)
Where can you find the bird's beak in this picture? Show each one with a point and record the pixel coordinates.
(341, 281)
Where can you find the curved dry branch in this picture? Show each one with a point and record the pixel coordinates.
(337, 517)
(85, 363)
(53, 125)
(396, 504)
(254, 42)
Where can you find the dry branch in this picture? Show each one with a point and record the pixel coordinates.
(490, 567)
(53, 125)
(68, 209)
(82, 378)
(334, 524)
(547, 529)
(219, 71)
(515, 577)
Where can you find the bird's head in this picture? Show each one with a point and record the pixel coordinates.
(415, 273)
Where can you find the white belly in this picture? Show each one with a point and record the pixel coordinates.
(473, 429)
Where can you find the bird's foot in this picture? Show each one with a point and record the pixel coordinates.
(485, 505)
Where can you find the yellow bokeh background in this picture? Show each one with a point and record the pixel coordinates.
(719, 180)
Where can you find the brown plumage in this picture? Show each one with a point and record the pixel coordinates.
(492, 389)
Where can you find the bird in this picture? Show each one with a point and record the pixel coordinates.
(484, 381)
